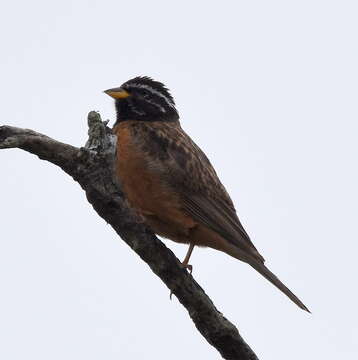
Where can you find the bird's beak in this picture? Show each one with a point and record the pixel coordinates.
(117, 93)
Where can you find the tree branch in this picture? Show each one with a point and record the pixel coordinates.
(92, 167)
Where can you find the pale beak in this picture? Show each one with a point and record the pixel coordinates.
(117, 93)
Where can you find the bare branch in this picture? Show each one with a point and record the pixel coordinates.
(92, 167)
(44, 147)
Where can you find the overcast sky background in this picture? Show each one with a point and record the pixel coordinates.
(269, 90)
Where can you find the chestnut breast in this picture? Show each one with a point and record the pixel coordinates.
(141, 176)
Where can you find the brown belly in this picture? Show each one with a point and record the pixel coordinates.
(147, 193)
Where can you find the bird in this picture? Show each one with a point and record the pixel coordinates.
(170, 182)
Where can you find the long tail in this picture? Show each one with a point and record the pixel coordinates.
(270, 276)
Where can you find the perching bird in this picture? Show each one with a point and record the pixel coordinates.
(171, 183)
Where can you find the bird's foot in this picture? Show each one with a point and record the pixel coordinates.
(188, 267)
(185, 266)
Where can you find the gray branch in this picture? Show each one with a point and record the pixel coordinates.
(92, 167)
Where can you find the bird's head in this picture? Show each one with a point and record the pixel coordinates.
(145, 99)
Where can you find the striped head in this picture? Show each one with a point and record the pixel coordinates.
(144, 99)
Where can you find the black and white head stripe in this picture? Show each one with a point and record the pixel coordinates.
(144, 99)
(155, 88)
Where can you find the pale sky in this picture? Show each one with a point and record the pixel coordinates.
(269, 90)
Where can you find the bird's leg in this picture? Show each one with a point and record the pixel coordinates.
(187, 257)
(185, 263)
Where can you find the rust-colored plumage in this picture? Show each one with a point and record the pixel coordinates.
(171, 183)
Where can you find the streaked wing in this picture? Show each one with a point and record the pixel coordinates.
(202, 194)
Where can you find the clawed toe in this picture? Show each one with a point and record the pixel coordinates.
(185, 266)
(188, 267)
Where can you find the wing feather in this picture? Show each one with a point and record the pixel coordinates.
(202, 194)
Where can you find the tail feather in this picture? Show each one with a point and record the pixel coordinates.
(270, 276)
